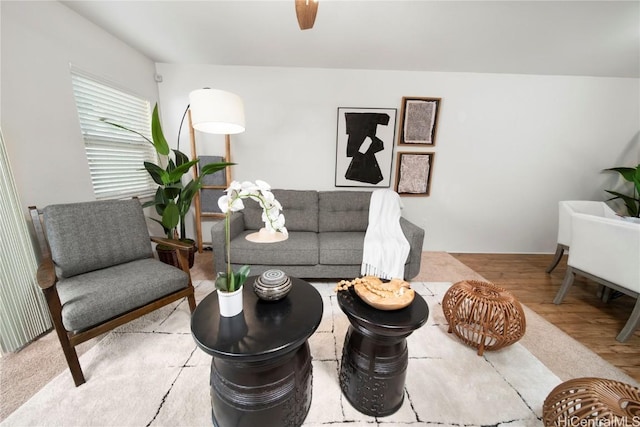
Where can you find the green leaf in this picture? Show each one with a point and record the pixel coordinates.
(160, 201)
(627, 173)
(171, 191)
(158, 174)
(241, 276)
(176, 174)
(166, 230)
(636, 181)
(126, 128)
(234, 281)
(210, 168)
(159, 141)
(633, 205)
(222, 284)
(189, 191)
(170, 216)
(180, 157)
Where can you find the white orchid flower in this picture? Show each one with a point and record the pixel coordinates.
(268, 196)
(263, 186)
(272, 213)
(249, 188)
(223, 203)
(229, 203)
(279, 222)
(259, 191)
(236, 205)
(233, 187)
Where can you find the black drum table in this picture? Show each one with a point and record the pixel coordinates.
(261, 370)
(375, 356)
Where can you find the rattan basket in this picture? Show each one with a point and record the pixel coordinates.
(483, 315)
(592, 402)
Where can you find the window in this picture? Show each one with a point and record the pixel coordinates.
(115, 155)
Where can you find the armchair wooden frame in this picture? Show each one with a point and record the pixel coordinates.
(47, 280)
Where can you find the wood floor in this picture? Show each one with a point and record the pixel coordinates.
(582, 315)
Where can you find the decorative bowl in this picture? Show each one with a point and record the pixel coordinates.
(272, 285)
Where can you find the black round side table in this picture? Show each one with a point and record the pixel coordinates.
(261, 368)
(375, 356)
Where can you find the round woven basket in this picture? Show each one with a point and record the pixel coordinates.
(592, 402)
(483, 315)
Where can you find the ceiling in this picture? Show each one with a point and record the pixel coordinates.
(590, 38)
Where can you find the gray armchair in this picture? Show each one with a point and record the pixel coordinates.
(98, 272)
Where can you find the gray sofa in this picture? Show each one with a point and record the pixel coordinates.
(326, 236)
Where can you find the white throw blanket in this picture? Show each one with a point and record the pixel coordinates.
(385, 247)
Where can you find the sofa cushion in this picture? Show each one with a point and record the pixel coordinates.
(300, 209)
(89, 236)
(91, 298)
(343, 210)
(301, 248)
(341, 248)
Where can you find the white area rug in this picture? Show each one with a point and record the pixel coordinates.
(150, 373)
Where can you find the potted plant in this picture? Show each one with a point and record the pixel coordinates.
(229, 283)
(632, 202)
(173, 197)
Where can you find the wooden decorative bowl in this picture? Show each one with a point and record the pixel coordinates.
(394, 295)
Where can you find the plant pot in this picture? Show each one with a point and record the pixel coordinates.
(170, 256)
(230, 303)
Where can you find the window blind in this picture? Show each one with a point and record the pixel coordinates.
(24, 311)
(115, 155)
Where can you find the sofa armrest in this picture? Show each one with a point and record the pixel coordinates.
(236, 226)
(415, 236)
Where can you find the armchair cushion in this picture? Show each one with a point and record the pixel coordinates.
(91, 298)
(89, 236)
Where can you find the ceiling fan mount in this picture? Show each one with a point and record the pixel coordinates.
(306, 11)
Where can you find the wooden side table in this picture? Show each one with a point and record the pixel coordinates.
(261, 368)
(375, 355)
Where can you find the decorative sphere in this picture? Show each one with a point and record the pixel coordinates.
(272, 285)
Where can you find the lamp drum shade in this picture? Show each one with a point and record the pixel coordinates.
(216, 111)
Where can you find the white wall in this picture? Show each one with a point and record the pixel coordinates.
(509, 147)
(39, 119)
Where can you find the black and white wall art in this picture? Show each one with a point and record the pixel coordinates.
(364, 146)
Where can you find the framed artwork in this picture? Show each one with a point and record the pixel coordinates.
(413, 174)
(419, 121)
(364, 146)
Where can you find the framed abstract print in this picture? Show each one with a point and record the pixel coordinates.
(419, 121)
(413, 174)
(364, 147)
